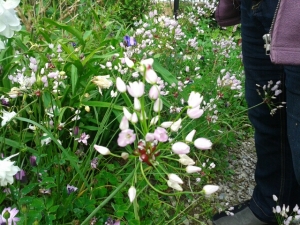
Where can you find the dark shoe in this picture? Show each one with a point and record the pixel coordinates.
(241, 215)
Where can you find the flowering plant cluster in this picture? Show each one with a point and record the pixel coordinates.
(153, 140)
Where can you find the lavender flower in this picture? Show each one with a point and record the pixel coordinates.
(129, 41)
(71, 189)
(8, 214)
(21, 176)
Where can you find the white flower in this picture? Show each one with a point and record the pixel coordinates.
(102, 82)
(136, 89)
(202, 143)
(275, 198)
(189, 137)
(192, 169)
(137, 104)
(7, 171)
(121, 86)
(210, 189)
(134, 118)
(186, 160)
(7, 116)
(9, 22)
(158, 105)
(127, 114)
(129, 62)
(45, 139)
(154, 120)
(195, 99)
(131, 193)
(166, 124)
(175, 178)
(124, 155)
(124, 124)
(2, 46)
(174, 185)
(147, 62)
(102, 150)
(176, 125)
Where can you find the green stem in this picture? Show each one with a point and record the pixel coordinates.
(164, 193)
(108, 198)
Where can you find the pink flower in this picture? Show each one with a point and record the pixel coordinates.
(126, 137)
(195, 113)
(151, 76)
(161, 134)
(154, 92)
(180, 148)
(83, 138)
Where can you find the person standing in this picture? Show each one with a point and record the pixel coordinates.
(277, 137)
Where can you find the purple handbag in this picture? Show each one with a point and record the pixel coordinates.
(228, 13)
(283, 42)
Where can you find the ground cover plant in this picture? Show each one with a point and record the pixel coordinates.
(108, 120)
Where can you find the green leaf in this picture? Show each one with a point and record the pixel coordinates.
(70, 29)
(166, 75)
(87, 34)
(74, 78)
(28, 188)
(102, 104)
(53, 209)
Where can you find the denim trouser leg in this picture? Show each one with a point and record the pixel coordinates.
(274, 173)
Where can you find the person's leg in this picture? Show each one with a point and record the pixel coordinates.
(274, 173)
(293, 124)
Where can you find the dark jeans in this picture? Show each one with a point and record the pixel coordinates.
(277, 137)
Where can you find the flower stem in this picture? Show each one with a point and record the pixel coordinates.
(108, 198)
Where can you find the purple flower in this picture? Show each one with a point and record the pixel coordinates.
(75, 130)
(126, 137)
(71, 189)
(21, 176)
(129, 41)
(4, 101)
(9, 215)
(94, 163)
(32, 160)
(111, 221)
(83, 138)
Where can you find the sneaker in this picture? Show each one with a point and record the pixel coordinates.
(240, 215)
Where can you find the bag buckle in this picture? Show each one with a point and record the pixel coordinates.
(267, 40)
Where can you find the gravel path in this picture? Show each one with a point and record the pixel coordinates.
(239, 188)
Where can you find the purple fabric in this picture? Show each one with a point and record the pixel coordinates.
(228, 13)
(285, 42)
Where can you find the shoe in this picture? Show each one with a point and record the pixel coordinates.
(242, 215)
